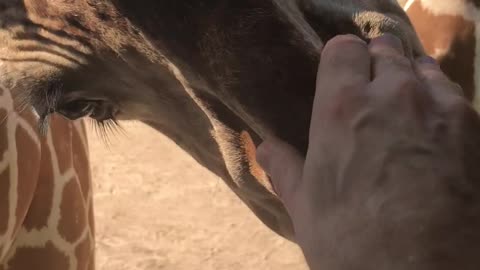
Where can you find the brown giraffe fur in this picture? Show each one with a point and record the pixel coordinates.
(448, 29)
(46, 205)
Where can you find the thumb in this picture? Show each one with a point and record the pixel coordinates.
(284, 165)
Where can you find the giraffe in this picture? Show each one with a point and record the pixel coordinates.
(215, 80)
(449, 31)
(46, 208)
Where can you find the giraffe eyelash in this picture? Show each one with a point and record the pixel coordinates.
(106, 129)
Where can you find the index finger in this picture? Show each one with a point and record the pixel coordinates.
(344, 57)
(344, 71)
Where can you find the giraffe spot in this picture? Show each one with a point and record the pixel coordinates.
(4, 204)
(73, 213)
(28, 162)
(84, 254)
(41, 206)
(61, 131)
(48, 257)
(81, 164)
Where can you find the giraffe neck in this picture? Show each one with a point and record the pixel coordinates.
(450, 32)
(12, 206)
(46, 212)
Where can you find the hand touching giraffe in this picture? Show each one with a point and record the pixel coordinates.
(389, 180)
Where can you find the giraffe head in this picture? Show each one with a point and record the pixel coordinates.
(117, 59)
(237, 70)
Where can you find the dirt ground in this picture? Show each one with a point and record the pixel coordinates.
(156, 208)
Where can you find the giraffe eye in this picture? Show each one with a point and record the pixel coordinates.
(77, 108)
(99, 110)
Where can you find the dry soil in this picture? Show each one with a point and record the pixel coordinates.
(156, 208)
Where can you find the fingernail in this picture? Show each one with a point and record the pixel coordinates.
(353, 37)
(427, 60)
(388, 40)
(346, 37)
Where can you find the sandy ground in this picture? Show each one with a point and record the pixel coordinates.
(156, 208)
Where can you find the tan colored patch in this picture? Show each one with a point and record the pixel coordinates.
(48, 257)
(451, 39)
(73, 214)
(256, 170)
(81, 164)
(41, 206)
(62, 137)
(83, 252)
(28, 169)
(4, 204)
(91, 217)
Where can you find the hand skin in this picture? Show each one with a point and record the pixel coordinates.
(390, 180)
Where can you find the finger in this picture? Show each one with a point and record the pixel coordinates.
(388, 56)
(347, 57)
(395, 82)
(284, 165)
(343, 72)
(443, 89)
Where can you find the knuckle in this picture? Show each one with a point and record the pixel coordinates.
(345, 103)
(440, 79)
(456, 89)
(401, 61)
(392, 58)
(406, 86)
(432, 74)
(458, 106)
(405, 80)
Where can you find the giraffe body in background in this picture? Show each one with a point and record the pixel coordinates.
(46, 210)
(450, 30)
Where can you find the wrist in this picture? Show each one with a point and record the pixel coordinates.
(421, 239)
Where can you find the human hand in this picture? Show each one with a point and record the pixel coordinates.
(388, 181)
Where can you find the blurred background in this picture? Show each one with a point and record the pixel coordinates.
(156, 208)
